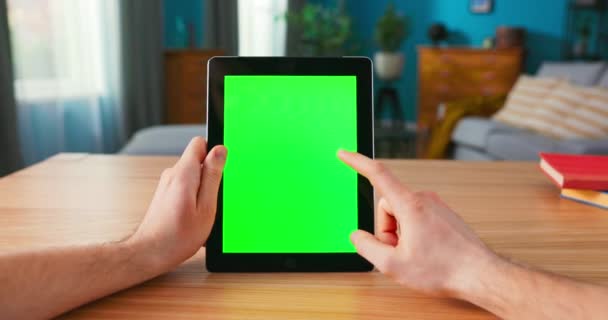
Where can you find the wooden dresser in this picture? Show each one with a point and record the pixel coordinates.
(186, 85)
(448, 74)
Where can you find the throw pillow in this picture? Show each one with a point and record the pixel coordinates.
(569, 111)
(603, 82)
(577, 112)
(581, 73)
(521, 108)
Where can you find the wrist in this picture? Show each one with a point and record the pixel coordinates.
(485, 280)
(477, 271)
(147, 255)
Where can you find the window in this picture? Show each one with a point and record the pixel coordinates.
(262, 27)
(57, 47)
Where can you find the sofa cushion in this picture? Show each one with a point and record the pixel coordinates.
(527, 145)
(581, 73)
(604, 80)
(473, 131)
(583, 146)
(519, 146)
(162, 140)
(470, 154)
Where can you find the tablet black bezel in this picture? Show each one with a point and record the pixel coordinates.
(361, 67)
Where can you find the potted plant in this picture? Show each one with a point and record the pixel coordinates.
(321, 31)
(391, 30)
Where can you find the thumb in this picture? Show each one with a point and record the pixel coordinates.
(211, 175)
(372, 249)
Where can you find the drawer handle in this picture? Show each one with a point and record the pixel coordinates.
(443, 89)
(487, 91)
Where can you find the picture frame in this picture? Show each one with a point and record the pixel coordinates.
(481, 6)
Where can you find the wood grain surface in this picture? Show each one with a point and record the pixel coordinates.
(79, 198)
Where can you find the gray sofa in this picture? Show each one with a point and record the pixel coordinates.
(477, 138)
(168, 140)
(473, 138)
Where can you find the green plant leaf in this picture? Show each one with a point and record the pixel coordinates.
(322, 30)
(391, 29)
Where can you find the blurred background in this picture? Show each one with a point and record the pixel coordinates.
(128, 76)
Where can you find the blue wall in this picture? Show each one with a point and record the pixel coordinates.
(190, 11)
(544, 21)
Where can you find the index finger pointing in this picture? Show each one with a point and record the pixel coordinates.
(376, 173)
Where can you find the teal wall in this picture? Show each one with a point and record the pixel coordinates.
(544, 21)
(190, 11)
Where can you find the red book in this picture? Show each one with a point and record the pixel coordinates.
(576, 171)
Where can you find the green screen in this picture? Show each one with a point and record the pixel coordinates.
(285, 191)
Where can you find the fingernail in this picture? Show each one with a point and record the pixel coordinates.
(220, 154)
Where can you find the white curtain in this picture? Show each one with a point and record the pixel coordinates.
(66, 55)
(262, 27)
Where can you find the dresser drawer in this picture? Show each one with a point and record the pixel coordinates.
(186, 85)
(448, 74)
(480, 59)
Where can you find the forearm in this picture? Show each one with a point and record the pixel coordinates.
(46, 283)
(512, 291)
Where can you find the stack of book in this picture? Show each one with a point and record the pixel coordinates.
(581, 178)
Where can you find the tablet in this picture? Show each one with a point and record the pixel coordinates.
(286, 202)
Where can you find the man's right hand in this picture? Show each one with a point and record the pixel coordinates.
(420, 241)
(424, 245)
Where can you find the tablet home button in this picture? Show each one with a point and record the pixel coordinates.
(290, 263)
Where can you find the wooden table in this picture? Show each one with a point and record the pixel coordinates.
(78, 198)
